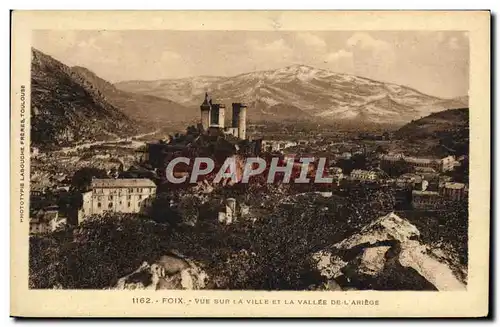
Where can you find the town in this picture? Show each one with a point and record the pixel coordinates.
(182, 182)
(129, 176)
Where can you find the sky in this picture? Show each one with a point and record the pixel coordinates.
(433, 62)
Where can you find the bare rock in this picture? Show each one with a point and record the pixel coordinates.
(168, 272)
(388, 255)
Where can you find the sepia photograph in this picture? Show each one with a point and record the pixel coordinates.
(326, 161)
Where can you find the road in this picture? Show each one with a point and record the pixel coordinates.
(136, 144)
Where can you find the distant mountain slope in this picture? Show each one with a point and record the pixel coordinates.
(147, 109)
(441, 122)
(66, 108)
(439, 134)
(316, 93)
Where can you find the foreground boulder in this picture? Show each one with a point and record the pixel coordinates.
(388, 255)
(168, 272)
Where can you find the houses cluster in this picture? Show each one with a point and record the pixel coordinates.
(430, 186)
(427, 186)
(444, 164)
(125, 195)
(46, 220)
(427, 199)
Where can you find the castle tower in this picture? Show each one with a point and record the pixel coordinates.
(240, 119)
(205, 109)
(217, 115)
(222, 115)
(236, 115)
(214, 115)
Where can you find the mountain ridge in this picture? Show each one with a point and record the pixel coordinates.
(318, 93)
(146, 109)
(66, 108)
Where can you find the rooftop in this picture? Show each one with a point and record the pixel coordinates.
(43, 216)
(361, 171)
(122, 183)
(425, 193)
(453, 185)
(419, 160)
(425, 169)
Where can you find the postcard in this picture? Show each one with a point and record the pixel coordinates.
(250, 163)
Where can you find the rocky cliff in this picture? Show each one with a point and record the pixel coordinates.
(168, 272)
(387, 254)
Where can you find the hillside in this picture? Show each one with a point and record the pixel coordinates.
(66, 108)
(435, 124)
(301, 91)
(149, 110)
(441, 133)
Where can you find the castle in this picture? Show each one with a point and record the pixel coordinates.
(213, 117)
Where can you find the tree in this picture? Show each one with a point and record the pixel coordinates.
(381, 150)
(95, 254)
(274, 252)
(397, 168)
(163, 210)
(83, 177)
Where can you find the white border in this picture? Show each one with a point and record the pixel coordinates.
(255, 4)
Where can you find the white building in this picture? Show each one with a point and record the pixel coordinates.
(117, 195)
(443, 164)
(272, 145)
(363, 175)
(447, 163)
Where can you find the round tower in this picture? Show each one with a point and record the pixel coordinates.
(239, 120)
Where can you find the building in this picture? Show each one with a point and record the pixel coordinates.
(335, 173)
(422, 162)
(46, 220)
(409, 179)
(425, 170)
(273, 146)
(425, 199)
(454, 191)
(363, 175)
(231, 211)
(391, 158)
(443, 179)
(442, 165)
(213, 116)
(117, 195)
(447, 163)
